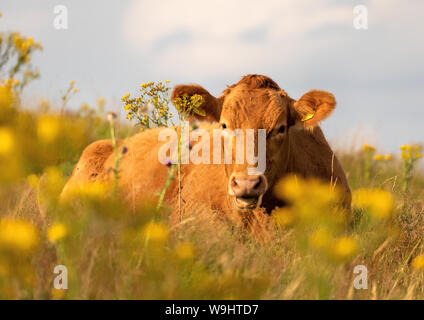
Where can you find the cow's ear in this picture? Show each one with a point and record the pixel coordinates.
(211, 106)
(313, 107)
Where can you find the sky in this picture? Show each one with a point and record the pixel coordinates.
(110, 47)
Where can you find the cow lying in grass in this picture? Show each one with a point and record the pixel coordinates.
(294, 144)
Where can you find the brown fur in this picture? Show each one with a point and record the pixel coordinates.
(254, 102)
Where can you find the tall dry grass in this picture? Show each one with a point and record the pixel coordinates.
(115, 252)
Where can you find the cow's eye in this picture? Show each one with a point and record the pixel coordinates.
(281, 129)
(224, 126)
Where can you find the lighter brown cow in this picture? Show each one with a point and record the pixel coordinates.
(294, 144)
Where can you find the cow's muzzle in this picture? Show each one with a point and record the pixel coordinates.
(247, 190)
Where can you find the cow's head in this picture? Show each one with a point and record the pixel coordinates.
(257, 102)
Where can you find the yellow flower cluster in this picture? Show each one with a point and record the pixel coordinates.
(146, 84)
(153, 95)
(24, 44)
(6, 141)
(314, 211)
(380, 203)
(380, 157)
(18, 235)
(190, 105)
(155, 231)
(411, 152)
(11, 82)
(339, 249)
(56, 232)
(86, 191)
(344, 249)
(418, 262)
(48, 128)
(368, 148)
(310, 197)
(125, 97)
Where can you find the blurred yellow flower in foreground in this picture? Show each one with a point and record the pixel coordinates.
(86, 191)
(48, 128)
(184, 251)
(379, 202)
(387, 157)
(58, 294)
(155, 231)
(306, 191)
(284, 217)
(6, 141)
(17, 234)
(56, 232)
(33, 180)
(344, 248)
(418, 262)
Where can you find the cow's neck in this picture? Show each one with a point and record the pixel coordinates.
(310, 154)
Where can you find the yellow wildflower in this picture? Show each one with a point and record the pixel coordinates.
(33, 180)
(344, 248)
(58, 294)
(48, 128)
(387, 157)
(418, 155)
(368, 148)
(127, 107)
(418, 262)
(6, 141)
(301, 191)
(155, 231)
(406, 155)
(379, 202)
(17, 234)
(405, 147)
(100, 101)
(30, 41)
(125, 97)
(87, 191)
(56, 232)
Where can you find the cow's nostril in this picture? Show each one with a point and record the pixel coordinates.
(257, 184)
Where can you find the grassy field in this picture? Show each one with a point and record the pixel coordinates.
(308, 250)
(111, 252)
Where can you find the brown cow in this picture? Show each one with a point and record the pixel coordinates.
(294, 144)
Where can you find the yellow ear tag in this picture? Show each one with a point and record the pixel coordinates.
(308, 116)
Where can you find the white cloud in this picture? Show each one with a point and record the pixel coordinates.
(215, 29)
(296, 35)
